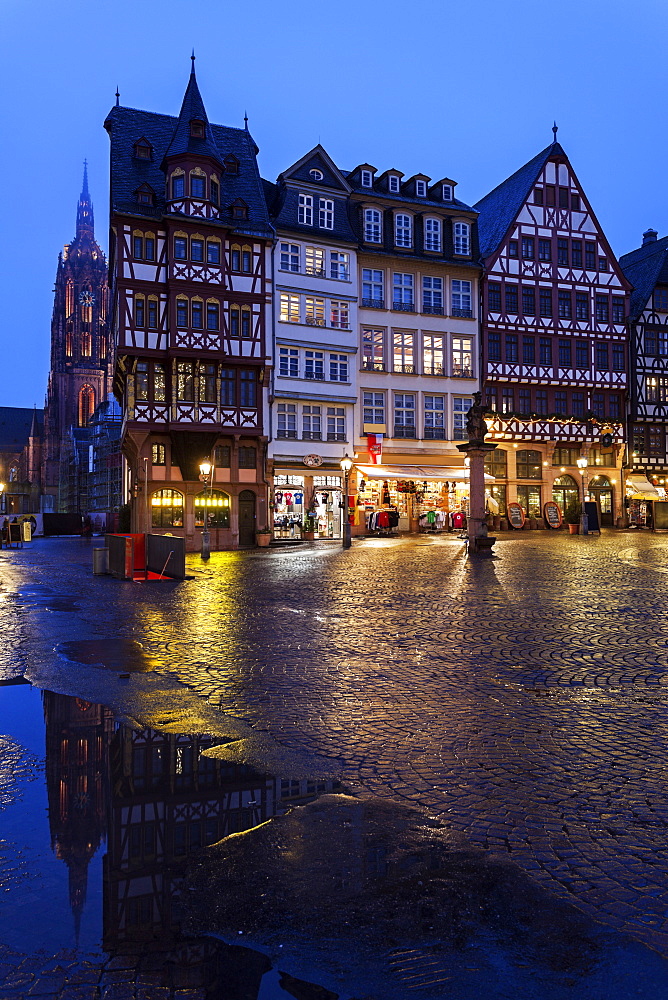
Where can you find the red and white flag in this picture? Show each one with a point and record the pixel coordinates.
(375, 448)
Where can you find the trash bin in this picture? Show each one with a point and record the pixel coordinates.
(100, 561)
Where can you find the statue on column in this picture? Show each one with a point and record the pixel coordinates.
(476, 425)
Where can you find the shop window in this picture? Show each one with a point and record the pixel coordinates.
(498, 492)
(216, 505)
(529, 465)
(158, 455)
(167, 509)
(529, 499)
(496, 463)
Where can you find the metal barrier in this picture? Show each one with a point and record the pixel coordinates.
(121, 556)
(166, 556)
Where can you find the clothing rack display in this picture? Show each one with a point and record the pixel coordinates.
(433, 520)
(383, 522)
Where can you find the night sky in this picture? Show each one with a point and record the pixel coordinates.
(464, 90)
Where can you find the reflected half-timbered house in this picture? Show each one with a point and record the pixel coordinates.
(555, 358)
(190, 251)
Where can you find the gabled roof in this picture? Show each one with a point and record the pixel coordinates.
(317, 158)
(500, 207)
(283, 197)
(16, 423)
(644, 268)
(192, 109)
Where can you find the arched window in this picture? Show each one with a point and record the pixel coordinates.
(496, 463)
(372, 226)
(13, 474)
(566, 481)
(529, 465)
(217, 504)
(403, 230)
(69, 298)
(167, 509)
(462, 238)
(86, 404)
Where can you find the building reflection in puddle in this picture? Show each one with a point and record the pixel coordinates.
(156, 800)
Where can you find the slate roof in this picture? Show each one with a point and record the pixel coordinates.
(15, 425)
(193, 108)
(164, 132)
(644, 268)
(395, 196)
(500, 207)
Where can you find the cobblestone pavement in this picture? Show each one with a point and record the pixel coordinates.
(523, 699)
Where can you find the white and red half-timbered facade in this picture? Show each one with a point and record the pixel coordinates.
(647, 270)
(555, 353)
(190, 262)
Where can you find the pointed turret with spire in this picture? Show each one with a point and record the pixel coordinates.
(85, 220)
(193, 134)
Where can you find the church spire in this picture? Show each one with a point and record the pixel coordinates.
(85, 221)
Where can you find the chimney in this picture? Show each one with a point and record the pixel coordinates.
(649, 236)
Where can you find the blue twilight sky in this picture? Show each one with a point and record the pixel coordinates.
(467, 90)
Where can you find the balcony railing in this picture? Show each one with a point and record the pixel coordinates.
(406, 307)
(404, 432)
(461, 371)
(405, 369)
(434, 433)
(373, 366)
(434, 370)
(332, 436)
(373, 303)
(315, 376)
(464, 313)
(291, 435)
(311, 436)
(432, 310)
(315, 321)
(315, 272)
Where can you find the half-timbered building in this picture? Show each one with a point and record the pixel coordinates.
(190, 251)
(647, 270)
(314, 345)
(554, 303)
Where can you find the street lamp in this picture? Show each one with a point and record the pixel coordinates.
(205, 476)
(582, 464)
(346, 464)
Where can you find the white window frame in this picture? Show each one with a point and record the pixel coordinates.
(433, 238)
(462, 357)
(393, 184)
(286, 420)
(367, 179)
(289, 257)
(460, 407)
(305, 210)
(339, 314)
(405, 287)
(432, 294)
(373, 348)
(373, 407)
(433, 354)
(461, 297)
(290, 308)
(462, 238)
(434, 415)
(316, 174)
(315, 311)
(288, 362)
(339, 265)
(373, 226)
(338, 368)
(314, 365)
(404, 410)
(326, 213)
(421, 189)
(403, 352)
(403, 230)
(311, 422)
(373, 279)
(336, 423)
(446, 192)
(314, 262)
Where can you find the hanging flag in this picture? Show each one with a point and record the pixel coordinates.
(375, 448)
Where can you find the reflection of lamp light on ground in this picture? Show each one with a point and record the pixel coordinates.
(205, 476)
(582, 464)
(346, 464)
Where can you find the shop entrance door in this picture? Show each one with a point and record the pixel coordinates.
(601, 490)
(246, 518)
(565, 491)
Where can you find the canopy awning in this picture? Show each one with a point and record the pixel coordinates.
(640, 488)
(432, 473)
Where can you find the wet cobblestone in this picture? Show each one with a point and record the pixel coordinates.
(523, 699)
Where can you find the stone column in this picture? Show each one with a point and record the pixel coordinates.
(478, 540)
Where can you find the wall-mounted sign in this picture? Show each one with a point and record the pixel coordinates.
(375, 448)
(313, 461)
(515, 515)
(552, 514)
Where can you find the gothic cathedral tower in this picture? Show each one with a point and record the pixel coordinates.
(79, 376)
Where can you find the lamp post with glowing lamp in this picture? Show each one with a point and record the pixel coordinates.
(346, 464)
(582, 464)
(205, 476)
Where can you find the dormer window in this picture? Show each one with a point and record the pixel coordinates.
(143, 149)
(393, 183)
(447, 192)
(367, 179)
(145, 195)
(231, 164)
(197, 129)
(421, 189)
(239, 209)
(316, 174)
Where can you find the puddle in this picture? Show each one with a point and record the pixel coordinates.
(99, 821)
(118, 654)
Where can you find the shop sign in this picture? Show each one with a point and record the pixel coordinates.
(375, 448)
(312, 461)
(552, 514)
(516, 515)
